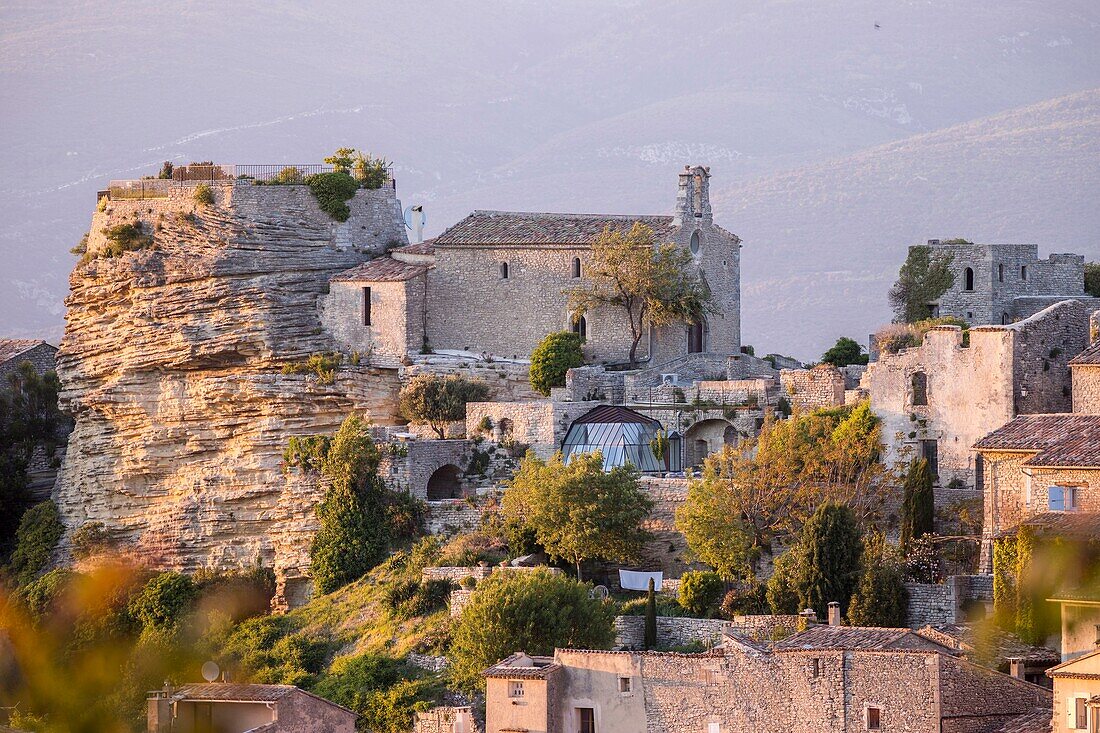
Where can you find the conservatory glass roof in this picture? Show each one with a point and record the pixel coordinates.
(620, 434)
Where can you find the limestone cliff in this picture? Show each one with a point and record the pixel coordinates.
(171, 364)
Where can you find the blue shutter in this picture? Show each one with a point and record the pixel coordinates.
(1056, 499)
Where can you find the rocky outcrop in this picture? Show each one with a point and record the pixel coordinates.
(172, 367)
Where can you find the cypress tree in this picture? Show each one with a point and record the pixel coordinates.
(830, 568)
(650, 640)
(919, 504)
(881, 598)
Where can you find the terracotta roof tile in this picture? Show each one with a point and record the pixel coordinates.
(417, 248)
(518, 227)
(1003, 645)
(508, 668)
(232, 691)
(381, 270)
(11, 348)
(1091, 355)
(850, 637)
(1059, 441)
(1036, 722)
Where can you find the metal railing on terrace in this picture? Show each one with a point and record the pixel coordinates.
(210, 174)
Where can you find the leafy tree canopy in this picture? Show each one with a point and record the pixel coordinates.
(924, 277)
(577, 511)
(438, 401)
(556, 354)
(844, 352)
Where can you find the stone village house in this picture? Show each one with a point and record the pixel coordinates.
(494, 284)
(224, 707)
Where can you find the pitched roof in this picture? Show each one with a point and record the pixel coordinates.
(1001, 644)
(426, 247)
(614, 414)
(520, 227)
(1091, 355)
(11, 348)
(381, 270)
(232, 692)
(1063, 440)
(1036, 722)
(1063, 669)
(1068, 525)
(509, 667)
(850, 637)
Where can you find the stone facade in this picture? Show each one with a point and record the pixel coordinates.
(446, 720)
(938, 399)
(1076, 686)
(671, 631)
(539, 425)
(810, 389)
(947, 602)
(14, 352)
(1004, 283)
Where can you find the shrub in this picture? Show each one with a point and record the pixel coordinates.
(740, 602)
(89, 539)
(1092, 279)
(425, 598)
(918, 504)
(164, 600)
(384, 691)
(166, 170)
(780, 593)
(124, 238)
(552, 358)
(485, 424)
(306, 452)
(881, 598)
(39, 531)
(332, 190)
(844, 352)
(323, 365)
(39, 595)
(535, 612)
(203, 195)
(288, 176)
(438, 401)
(700, 592)
(371, 172)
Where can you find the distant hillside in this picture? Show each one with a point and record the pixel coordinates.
(824, 243)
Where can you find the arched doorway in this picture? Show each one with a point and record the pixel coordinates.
(506, 428)
(696, 333)
(706, 437)
(729, 435)
(445, 483)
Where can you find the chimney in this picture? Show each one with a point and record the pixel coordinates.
(159, 713)
(693, 197)
(809, 615)
(834, 613)
(1016, 667)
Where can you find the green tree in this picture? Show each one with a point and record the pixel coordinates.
(437, 401)
(844, 352)
(781, 594)
(1092, 279)
(924, 277)
(700, 592)
(354, 533)
(556, 354)
(830, 566)
(918, 503)
(164, 600)
(652, 283)
(650, 638)
(881, 598)
(39, 531)
(715, 530)
(577, 511)
(531, 612)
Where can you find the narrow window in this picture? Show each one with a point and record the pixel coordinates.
(624, 684)
(919, 382)
(874, 719)
(929, 451)
(515, 688)
(503, 270)
(580, 327)
(1080, 713)
(576, 267)
(969, 278)
(366, 306)
(694, 244)
(1001, 272)
(1004, 319)
(586, 720)
(979, 472)
(815, 667)
(695, 338)
(714, 728)
(1023, 272)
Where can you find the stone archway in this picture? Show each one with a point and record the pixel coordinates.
(445, 483)
(706, 437)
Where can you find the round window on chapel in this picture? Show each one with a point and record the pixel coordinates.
(695, 246)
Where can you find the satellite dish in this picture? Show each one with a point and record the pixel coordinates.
(415, 220)
(210, 671)
(600, 592)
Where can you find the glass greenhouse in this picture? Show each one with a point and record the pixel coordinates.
(620, 434)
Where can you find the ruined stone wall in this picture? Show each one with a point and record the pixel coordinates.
(507, 381)
(595, 383)
(172, 365)
(1042, 348)
(446, 720)
(810, 389)
(540, 425)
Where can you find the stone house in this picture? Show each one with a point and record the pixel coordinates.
(1076, 704)
(239, 708)
(1085, 368)
(1080, 611)
(825, 678)
(14, 352)
(1004, 283)
(495, 282)
(1037, 468)
(936, 400)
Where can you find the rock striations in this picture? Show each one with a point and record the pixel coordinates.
(172, 366)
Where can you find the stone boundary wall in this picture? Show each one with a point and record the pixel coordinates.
(442, 720)
(427, 661)
(763, 627)
(671, 631)
(456, 574)
(944, 603)
(594, 383)
(452, 516)
(507, 380)
(810, 389)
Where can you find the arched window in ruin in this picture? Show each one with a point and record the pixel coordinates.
(969, 278)
(580, 327)
(445, 484)
(1004, 319)
(695, 244)
(695, 338)
(1001, 273)
(729, 435)
(506, 428)
(919, 382)
(576, 267)
(503, 270)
